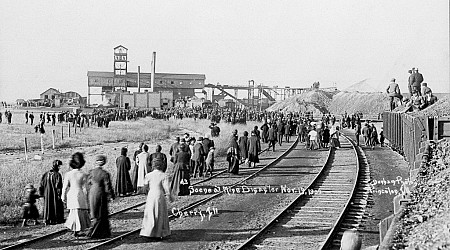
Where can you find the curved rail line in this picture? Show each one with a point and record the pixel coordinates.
(313, 210)
(353, 214)
(195, 204)
(65, 230)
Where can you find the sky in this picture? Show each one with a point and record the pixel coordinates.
(294, 43)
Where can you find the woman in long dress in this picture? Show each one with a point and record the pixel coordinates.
(51, 190)
(123, 181)
(233, 155)
(100, 188)
(156, 220)
(141, 160)
(181, 178)
(74, 195)
(254, 147)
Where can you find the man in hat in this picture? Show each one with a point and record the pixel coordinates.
(393, 91)
(418, 79)
(198, 156)
(174, 148)
(410, 81)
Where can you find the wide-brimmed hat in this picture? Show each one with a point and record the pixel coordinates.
(100, 159)
(29, 186)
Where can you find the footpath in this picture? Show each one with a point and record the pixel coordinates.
(389, 171)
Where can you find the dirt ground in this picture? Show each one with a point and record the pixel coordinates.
(385, 165)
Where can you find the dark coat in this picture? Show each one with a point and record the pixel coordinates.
(123, 180)
(50, 189)
(199, 153)
(254, 147)
(243, 146)
(100, 187)
(272, 134)
(157, 159)
(207, 144)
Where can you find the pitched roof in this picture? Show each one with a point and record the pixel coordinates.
(148, 75)
(51, 89)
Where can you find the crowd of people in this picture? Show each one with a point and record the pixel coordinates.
(420, 95)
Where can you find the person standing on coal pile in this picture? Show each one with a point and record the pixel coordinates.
(418, 79)
(51, 189)
(135, 170)
(100, 189)
(124, 185)
(393, 92)
(410, 81)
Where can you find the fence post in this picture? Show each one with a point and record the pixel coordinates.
(68, 126)
(53, 138)
(62, 133)
(42, 143)
(26, 148)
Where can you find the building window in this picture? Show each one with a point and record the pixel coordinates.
(171, 82)
(45, 96)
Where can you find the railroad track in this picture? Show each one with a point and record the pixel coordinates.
(140, 204)
(317, 220)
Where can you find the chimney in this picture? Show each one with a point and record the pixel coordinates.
(153, 69)
(139, 79)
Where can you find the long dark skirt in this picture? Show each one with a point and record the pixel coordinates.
(335, 143)
(233, 164)
(134, 177)
(181, 180)
(253, 157)
(99, 213)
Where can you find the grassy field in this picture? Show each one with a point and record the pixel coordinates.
(15, 172)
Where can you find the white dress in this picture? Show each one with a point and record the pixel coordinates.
(156, 218)
(141, 160)
(75, 194)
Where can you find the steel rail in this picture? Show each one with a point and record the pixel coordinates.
(298, 199)
(331, 235)
(197, 203)
(65, 230)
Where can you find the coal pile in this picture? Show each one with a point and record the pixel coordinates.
(357, 102)
(425, 224)
(440, 108)
(316, 101)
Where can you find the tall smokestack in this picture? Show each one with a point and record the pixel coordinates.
(152, 79)
(139, 79)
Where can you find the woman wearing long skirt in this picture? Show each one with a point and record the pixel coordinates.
(100, 188)
(181, 178)
(123, 181)
(74, 195)
(254, 147)
(233, 155)
(156, 220)
(51, 190)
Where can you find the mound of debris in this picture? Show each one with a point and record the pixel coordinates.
(355, 102)
(440, 108)
(425, 222)
(315, 100)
